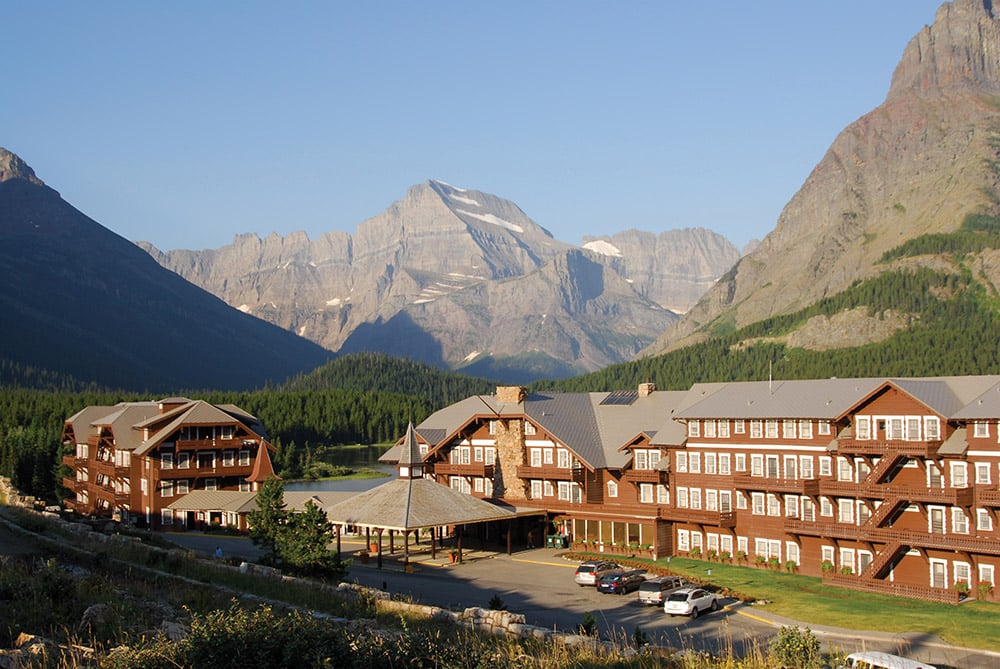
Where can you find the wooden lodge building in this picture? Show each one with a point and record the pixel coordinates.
(134, 460)
(887, 485)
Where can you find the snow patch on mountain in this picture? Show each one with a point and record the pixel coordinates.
(604, 247)
(494, 220)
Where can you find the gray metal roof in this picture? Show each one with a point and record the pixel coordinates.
(823, 399)
(620, 423)
(411, 504)
(569, 417)
(233, 501)
(956, 444)
(985, 406)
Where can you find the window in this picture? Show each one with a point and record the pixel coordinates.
(756, 429)
(844, 470)
(959, 475)
(741, 500)
(646, 493)
(167, 517)
(712, 542)
(696, 540)
(982, 472)
(477, 454)
(771, 429)
(756, 464)
(932, 428)
(612, 489)
(913, 428)
(710, 429)
(549, 490)
(183, 487)
(805, 429)
(166, 488)
(244, 458)
(847, 559)
(788, 429)
(723, 429)
(662, 494)
(477, 484)
(654, 459)
(683, 540)
(824, 427)
(210, 484)
(228, 458)
(725, 501)
(682, 498)
(493, 427)
(792, 551)
(535, 457)
(825, 507)
(980, 429)
(244, 485)
(639, 460)
(895, 429)
(741, 462)
(824, 465)
(166, 460)
(724, 465)
(862, 427)
(547, 456)
(695, 498)
(826, 553)
(986, 574)
(183, 460)
(791, 506)
(791, 467)
(773, 505)
(564, 491)
(694, 463)
(536, 489)
(845, 510)
(757, 499)
(741, 544)
(808, 509)
(491, 455)
(806, 466)
(984, 521)
(963, 572)
(694, 428)
(529, 429)
(563, 455)
(682, 461)
(959, 521)
(739, 426)
(710, 463)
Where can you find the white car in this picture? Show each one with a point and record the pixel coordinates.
(690, 602)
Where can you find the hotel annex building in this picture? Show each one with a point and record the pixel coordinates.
(883, 484)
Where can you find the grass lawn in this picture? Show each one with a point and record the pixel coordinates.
(972, 624)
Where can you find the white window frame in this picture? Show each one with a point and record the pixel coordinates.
(959, 521)
(694, 462)
(771, 428)
(932, 428)
(984, 520)
(980, 429)
(823, 429)
(682, 461)
(739, 426)
(983, 473)
(612, 488)
(710, 430)
(646, 493)
(694, 428)
(536, 488)
(723, 429)
(725, 464)
(959, 474)
(756, 429)
(862, 428)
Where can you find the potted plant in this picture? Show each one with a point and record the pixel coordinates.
(696, 553)
(847, 570)
(759, 560)
(985, 589)
(791, 566)
(712, 554)
(453, 556)
(773, 563)
(741, 556)
(826, 566)
(962, 587)
(725, 556)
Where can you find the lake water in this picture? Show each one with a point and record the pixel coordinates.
(356, 458)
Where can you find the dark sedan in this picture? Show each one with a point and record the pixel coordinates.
(619, 584)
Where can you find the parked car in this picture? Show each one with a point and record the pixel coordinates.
(590, 572)
(621, 582)
(690, 602)
(875, 660)
(655, 590)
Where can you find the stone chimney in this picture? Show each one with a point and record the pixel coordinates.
(511, 394)
(646, 389)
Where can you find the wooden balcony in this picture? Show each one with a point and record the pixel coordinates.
(941, 595)
(725, 519)
(987, 497)
(947, 542)
(550, 473)
(205, 472)
(476, 469)
(911, 449)
(234, 444)
(810, 487)
(645, 476)
(950, 496)
(826, 528)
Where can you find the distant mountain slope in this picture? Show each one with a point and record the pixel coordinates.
(80, 300)
(918, 164)
(457, 277)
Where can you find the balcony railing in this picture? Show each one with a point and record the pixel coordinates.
(479, 469)
(825, 528)
(951, 496)
(988, 497)
(645, 476)
(948, 542)
(942, 595)
(233, 444)
(201, 472)
(809, 487)
(700, 516)
(550, 472)
(914, 449)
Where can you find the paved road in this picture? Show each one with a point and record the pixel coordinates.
(539, 584)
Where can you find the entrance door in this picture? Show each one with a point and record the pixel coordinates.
(937, 520)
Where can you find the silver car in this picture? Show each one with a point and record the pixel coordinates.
(655, 590)
(590, 572)
(690, 602)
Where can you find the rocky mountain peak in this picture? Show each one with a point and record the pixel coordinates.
(959, 52)
(12, 167)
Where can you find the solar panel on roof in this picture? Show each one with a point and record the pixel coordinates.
(620, 397)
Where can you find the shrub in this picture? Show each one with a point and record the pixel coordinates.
(496, 604)
(589, 625)
(795, 649)
(826, 566)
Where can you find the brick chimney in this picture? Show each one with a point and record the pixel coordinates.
(511, 394)
(646, 389)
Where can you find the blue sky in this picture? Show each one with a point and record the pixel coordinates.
(186, 123)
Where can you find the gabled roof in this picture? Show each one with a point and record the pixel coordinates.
(233, 501)
(822, 399)
(120, 418)
(985, 406)
(262, 467)
(197, 412)
(411, 504)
